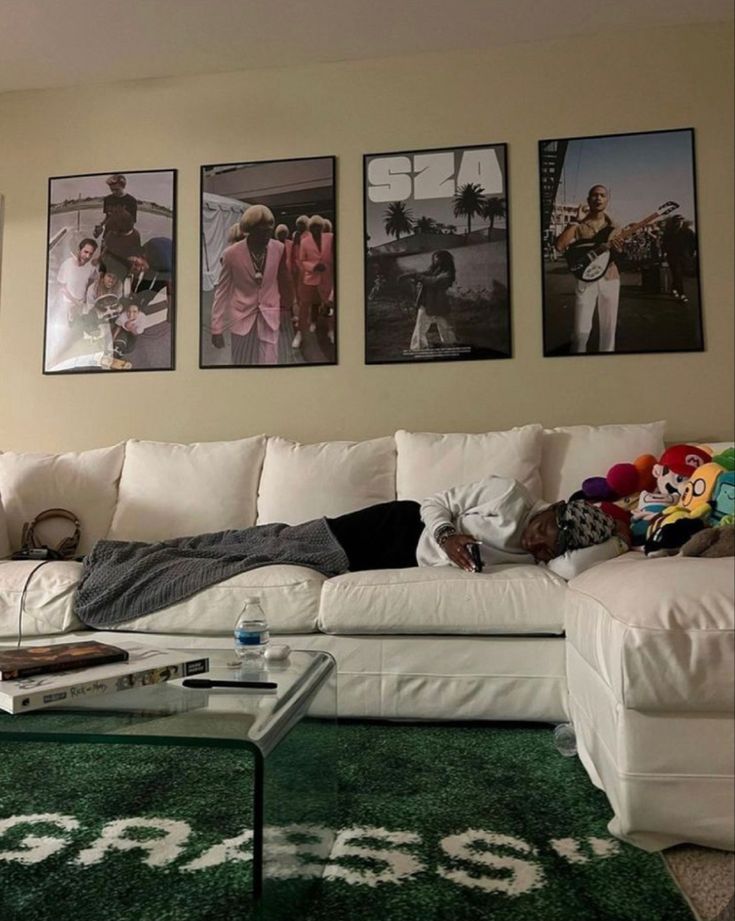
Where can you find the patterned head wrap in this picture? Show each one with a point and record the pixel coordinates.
(582, 525)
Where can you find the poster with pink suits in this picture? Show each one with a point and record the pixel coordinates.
(268, 264)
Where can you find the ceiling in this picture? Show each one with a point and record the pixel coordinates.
(53, 43)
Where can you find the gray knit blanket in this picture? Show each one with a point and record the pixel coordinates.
(122, 580)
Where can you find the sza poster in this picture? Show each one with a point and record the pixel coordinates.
(436, 255)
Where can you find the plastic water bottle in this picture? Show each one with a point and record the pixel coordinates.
(251, 631)
(565, 740)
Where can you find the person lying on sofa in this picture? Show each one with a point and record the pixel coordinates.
(498, 514)
(122, 580)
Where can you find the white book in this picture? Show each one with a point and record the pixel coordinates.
(145, 666)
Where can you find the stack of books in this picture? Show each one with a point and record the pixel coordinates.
(68, 673)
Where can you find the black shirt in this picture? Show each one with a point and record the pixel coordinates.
(113, 204)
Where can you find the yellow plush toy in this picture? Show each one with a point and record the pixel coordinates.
(695, 499)
(676, 524)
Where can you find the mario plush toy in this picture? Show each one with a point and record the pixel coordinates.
(671, 474)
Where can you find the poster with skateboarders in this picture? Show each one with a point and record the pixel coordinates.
(110, 272)
(436, 255)
(619, 244)
(268, 264)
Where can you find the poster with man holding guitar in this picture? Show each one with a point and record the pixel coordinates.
(619, 244)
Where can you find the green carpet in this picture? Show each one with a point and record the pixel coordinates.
(436, 822)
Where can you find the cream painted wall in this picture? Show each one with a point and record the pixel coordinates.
(633, 81)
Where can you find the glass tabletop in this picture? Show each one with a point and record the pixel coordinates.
(169, 713)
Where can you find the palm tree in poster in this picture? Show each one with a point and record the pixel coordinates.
(397, 219)
(469, 201)
(492, 209)
(426, 225)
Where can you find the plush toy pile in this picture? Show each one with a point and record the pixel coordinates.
(668, 502)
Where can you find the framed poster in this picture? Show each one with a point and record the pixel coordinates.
(110, 272)
(620, 259)
(436, 255)
(268, 264)
(2, 224)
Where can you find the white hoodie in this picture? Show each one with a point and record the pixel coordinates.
(495, 511)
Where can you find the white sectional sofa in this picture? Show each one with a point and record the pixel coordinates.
(638, 653)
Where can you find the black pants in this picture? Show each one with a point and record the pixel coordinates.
(676, 265)
(381, 536)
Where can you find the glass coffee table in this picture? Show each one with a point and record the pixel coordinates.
(291, 732)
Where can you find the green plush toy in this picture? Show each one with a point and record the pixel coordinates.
(726, 459)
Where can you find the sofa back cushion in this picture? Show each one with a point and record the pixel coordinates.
(716, 447)
(429, 462)
(84, 482)
(305, 481)
(574, 452)
(176, 490)
(4, 539)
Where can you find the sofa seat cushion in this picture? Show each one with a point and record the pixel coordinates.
(289, 596)
(178, 490)
(305, 481)
(47, 606)
(502, 600)
(84, 482)
(658, 631)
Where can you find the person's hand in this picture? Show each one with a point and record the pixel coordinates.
(455, 547)
(616, 243)
(218, 340)
(582, 211)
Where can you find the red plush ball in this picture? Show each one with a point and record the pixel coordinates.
(623, 479)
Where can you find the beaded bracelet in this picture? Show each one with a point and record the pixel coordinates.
(442, 534)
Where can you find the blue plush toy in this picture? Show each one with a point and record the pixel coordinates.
(723, 500)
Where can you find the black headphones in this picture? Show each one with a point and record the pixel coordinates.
(32, 548)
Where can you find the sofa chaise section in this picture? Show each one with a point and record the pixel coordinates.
(650, 676)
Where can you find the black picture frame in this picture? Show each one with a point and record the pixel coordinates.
(123, 319)
(405, 323)
(290, 188)
(649, 178)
